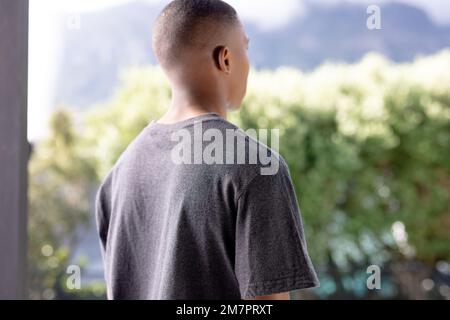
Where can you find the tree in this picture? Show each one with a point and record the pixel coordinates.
(62, 180)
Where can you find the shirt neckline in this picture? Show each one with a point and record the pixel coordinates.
(184, 123)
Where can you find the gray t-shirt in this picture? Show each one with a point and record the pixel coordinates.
(171, 230)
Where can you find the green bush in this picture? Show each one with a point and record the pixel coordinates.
(367, 145)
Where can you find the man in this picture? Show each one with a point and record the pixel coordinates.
(193, 229)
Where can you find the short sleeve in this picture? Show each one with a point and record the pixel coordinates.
(271, 253)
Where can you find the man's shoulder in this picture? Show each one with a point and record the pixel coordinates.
(244, 154)
(232, 134)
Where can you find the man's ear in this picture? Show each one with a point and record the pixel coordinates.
(221, 56)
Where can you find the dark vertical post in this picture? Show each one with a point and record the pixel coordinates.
(13, 147)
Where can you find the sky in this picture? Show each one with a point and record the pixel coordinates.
(269, 11)
(45, 38)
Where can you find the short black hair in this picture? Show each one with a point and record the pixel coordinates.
(189, 23)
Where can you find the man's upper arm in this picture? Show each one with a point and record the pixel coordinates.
(271, 253)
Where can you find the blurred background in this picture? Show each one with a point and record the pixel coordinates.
(364, 117)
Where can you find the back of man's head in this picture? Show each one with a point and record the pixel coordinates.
(190, 24)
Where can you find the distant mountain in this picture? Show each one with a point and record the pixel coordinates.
(94, 54)
(110, 40)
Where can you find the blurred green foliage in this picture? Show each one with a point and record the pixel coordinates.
(62, 180)
(368, 147)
